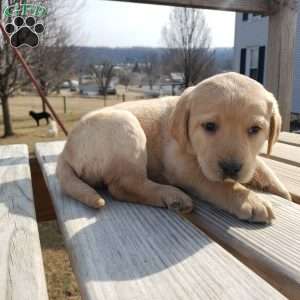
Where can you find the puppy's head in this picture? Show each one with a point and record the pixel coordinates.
(224, 121)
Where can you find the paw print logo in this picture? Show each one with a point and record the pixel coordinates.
(24, 32)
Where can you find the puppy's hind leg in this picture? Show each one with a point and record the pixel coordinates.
(73, 186)
(126, 178)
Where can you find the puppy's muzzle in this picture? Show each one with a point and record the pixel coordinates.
(230, 169)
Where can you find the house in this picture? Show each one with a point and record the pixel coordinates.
(177, 78)
(171, 84)
(93, 89)
(250, 55)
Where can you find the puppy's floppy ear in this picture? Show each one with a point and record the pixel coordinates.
(275, 125)
(179, 122)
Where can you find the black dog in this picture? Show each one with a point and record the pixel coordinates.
(39, 116)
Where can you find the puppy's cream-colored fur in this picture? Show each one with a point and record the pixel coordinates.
(158, 152)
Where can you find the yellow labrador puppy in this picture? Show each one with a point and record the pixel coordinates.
(158, 152)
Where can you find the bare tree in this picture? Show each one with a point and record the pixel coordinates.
(104, 74)
(53, 60)
(151, 69)
(9, 80)
(53, 63)
(187, 38)
(125, 78)
(9, 83)
(50, 61)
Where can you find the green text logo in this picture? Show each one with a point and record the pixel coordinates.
(25, 9)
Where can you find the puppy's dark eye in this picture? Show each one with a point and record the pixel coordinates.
(253, 130)
(210, 127)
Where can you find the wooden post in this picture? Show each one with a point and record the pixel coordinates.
(65, 104)
(280, 56)
(44, 106)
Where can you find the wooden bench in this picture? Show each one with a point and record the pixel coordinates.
(21, 266)
(285, 161)
(288, 174)
(127, 251)
(272, 251)
(290, 138)
(284, 153)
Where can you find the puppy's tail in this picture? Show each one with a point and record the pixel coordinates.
(73, 186)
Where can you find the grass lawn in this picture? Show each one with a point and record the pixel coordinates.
(61, 281)
(60, 278)
(26, 131)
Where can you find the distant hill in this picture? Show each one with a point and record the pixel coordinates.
(94, 55)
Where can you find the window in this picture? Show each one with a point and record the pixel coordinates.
(243, 61)
(261, 64)
(245, 16)
(252, 62)
(251, 17)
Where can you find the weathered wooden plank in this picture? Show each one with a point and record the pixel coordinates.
(290, 138)
(21, 266)
(273, 250)
(256, 6)
(280, 56)
(284, 153)
(289, 176)
(128, 251)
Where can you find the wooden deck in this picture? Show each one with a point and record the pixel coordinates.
(272, 251)
(285, 153)
(128, 251)
(290, 138)
(21, 266)
(289, 175)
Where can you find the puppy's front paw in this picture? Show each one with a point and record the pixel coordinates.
(178, 201)
(255, 209)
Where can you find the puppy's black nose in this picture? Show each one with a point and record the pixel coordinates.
(230, 168)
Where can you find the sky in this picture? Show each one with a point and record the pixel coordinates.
(122, 24)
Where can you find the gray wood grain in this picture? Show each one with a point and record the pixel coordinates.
(290, 138)
(282, 37)
(257, 6)
(289, 175)
(129, 251)
(21, 266)
(285, 153)
(272, 250)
